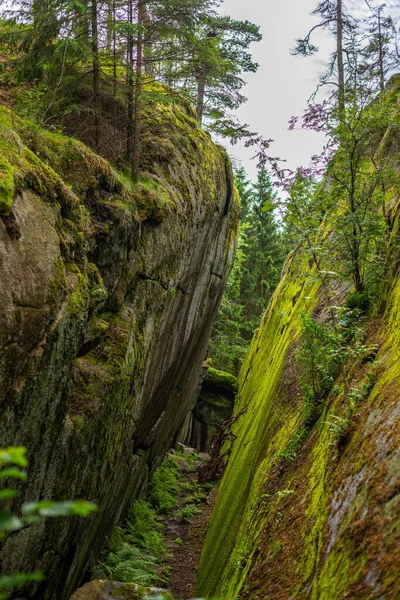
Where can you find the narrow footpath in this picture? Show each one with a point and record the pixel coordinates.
(184, 533)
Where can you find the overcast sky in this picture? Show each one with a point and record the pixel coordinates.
(283, 82)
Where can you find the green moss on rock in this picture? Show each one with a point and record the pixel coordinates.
(107, 278)
(219, 382)
(336, 520)
(6, 187)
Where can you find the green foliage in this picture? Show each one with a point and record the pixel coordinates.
(275, 548)
(178, 541)
(136, 547)
(262, 247)
(227, 345)
(6, 186)
(339, 427)
(13, 462)
(320, 353)
(196, 498)
(53, 48)
(319, 356)
(164, 487)
(144, 529)
(127, 563)
(8, 582)
(188, 511)
(305, 210)
(358, 301)
(284, 493)
(294, 444)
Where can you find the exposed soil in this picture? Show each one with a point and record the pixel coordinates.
(185, 553)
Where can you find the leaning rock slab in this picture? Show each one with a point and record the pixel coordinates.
(108, 293)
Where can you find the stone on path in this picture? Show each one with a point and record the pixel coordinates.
(113, 590)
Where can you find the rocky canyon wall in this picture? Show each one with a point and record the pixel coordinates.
(108, 291)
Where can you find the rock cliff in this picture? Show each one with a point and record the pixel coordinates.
(324, 525)
(108, 291)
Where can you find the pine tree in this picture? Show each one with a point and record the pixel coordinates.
(91, 61)
(380, 52)
(256, 273)
(333, 17)
(266, 250)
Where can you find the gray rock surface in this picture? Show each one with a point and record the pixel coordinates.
(107, 298)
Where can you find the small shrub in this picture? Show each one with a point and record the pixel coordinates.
(319, 356)
(136, 547)
(358, 301)
(144, 528)
(283, 493)
(339, 427)
(196, 498)
(166, 571)
(294, 444)
(178, 541)
(128, 564)
(354, 398)
(188, 511)
(275, 549)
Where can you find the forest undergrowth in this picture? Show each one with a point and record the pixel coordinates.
(159, 542)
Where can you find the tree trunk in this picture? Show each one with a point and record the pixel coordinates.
(355, 235)
(201, 90)
(114, 52)
(358, 283)
(96, 76)
(138, 93)
(193, 433)
(339, 51)
(147, 47)
(204, 437)
(380, 42)
(129, 83)
(109, 25)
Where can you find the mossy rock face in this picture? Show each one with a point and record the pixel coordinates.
(213, 409)
(326, 525)
(6, 186)
(108, 295)
(219, 382)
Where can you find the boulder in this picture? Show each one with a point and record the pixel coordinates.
(112, 590)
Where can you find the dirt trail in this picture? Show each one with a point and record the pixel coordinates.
(184, 540)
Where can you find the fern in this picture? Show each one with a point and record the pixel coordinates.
(128, 564)
(164, 487)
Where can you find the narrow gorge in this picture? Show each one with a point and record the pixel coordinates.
(199, 324)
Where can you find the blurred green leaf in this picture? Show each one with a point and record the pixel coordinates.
(59, 509)
(14, 473)
(9, 522)
(8, 581)
(14, 455)
(5, 494)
